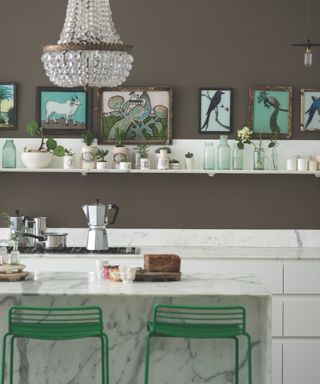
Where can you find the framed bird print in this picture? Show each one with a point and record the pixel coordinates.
(270, 111)
(310, 110)
(215, 110)
(143, 114)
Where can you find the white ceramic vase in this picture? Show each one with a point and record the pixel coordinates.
(69, 162)
(36, 160)
(124, 166)
(189, 163)
(88, 157)
(145, 163)
(119, 154)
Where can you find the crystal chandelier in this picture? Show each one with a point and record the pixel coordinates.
(90, 51)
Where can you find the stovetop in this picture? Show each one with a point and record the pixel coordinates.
(81, 250)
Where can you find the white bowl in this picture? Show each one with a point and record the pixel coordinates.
(36, 159)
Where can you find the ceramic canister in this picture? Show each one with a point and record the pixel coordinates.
(302, 164)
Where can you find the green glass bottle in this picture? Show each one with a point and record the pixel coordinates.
(223, 157)
(9, 155)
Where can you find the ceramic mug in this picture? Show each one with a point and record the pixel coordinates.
(127, 274)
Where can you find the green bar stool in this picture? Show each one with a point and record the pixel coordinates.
(45, 323)
(199, 323)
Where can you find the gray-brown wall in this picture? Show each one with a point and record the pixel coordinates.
(187, 44)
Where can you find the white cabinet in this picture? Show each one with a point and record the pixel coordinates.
(277, 316)
(277, 362)
(302, 277)
(301, 362)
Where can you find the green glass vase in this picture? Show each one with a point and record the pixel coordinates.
(237, 158)
(9, 155)
(223, 158)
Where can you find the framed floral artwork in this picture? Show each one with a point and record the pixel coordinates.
(270, 111)
(215, 110)
(310, 110)
(63, 110)
(8, 105)
(143, 113)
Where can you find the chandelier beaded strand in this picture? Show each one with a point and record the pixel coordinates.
(89, 51)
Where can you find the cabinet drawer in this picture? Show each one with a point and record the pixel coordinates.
(302, 317)
(269, 273)
(301, 362)
(302, 277)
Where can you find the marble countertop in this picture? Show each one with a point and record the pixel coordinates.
(78, 283)
(191, 252)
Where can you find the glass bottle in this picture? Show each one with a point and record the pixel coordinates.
(208, 156)
(223, 159)
(9, 153)
(14, 257)
(237, 158)
(258, 159)
(274, 159)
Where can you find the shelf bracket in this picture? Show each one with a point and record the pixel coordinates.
(211, 174)
(317, 174)
(84, 172)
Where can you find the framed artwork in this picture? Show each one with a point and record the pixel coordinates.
(215, 110)
(63, 110)
(144, 113)
(310, 110)
(270, 111)
(8, 105)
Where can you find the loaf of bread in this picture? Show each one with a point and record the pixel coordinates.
(162, 263)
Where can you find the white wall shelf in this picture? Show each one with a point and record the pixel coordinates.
(85, 172)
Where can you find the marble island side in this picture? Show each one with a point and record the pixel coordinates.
(127, 309)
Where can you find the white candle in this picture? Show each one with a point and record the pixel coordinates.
(292, 164)
(302, 165)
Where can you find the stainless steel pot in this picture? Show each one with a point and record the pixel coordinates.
(50, 240)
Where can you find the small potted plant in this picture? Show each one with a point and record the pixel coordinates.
(88, 152)
(189, 158)
(125, 165)
(120, 151)
(101, 161)
(141, 157)
(69, 159)
(174, 164)
(42, 156)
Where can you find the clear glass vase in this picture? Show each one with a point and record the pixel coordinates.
(9, 155)
(237, 158)
(14, 257)
(274, 162)
(208, 156)
(223, 159)
(258, 159)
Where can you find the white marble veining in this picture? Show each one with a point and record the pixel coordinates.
(275, 238)
(127, 308)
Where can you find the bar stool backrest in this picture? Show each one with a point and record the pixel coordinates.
(55, 323)
(177, 314)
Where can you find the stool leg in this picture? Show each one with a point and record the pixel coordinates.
(236, 372)
(11, 359)
(4, 350)
(146, 372)
(103, 364)
(249, 358)
(106, 357)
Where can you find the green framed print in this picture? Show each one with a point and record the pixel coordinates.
(270, 111)
(8, 105)
(310, 110)
(144, 113)
(63, 110)
(215, 110)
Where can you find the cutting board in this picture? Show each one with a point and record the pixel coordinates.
(17, 276)
(142, 275)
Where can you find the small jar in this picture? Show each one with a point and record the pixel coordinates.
(145, 163)
(292, 164)
(302, 164)
(124, 165)
(163, 160)
(312, 165)
(69, 162)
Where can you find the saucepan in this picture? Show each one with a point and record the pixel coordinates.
(50, 240)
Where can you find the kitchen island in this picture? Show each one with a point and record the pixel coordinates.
(127, 309)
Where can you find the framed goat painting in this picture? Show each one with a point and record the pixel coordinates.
(63, 110)
(141, 115)
(8, 106)
(215, 110)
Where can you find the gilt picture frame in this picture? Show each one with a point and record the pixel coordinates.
(8, 105)
(270, 111)
(310, 110)
(63, 110)
(145, 113)
(215, 115)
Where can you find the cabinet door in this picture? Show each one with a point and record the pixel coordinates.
(269, 273)
(301, 362)
(277, 316)
(302, 317)
(302, 277)
(276, 362)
